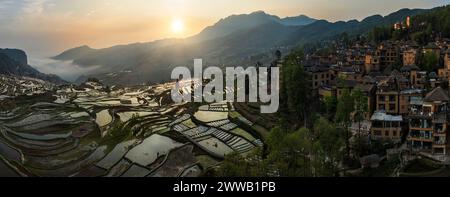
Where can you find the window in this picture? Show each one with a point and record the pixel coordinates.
(394, 133)
(381, 98)
(377, 132)
(316, 76)
(377, 124)
(391, 107)
(386, 133)
(381, 107)
(391, 98)
(315, 84)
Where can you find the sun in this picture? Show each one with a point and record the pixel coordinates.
(177, 26)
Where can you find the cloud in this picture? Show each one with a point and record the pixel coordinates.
(6, 4)
(65, 69)
(34, 7)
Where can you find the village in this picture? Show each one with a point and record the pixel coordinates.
(405, 84)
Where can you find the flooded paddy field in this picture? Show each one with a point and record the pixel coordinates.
(129, 132)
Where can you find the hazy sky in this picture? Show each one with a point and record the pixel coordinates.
(47, 27)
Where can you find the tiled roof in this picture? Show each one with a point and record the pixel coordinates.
(347, 84)
(438, 94)
(408, 68)
(317, 68)
(364, 87)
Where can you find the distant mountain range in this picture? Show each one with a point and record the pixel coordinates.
(15, 62)
(238, 40)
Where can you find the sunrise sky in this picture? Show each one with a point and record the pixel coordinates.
(47, 27)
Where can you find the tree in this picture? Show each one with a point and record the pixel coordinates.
(345, 107)
(330, 105)
(327, 148)
(360, 108)
(379, 34)
(296, 88)
(430, 61)
(237, 165)
(278, 54)
(290, 152)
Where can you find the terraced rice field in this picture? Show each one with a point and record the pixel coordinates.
(126, 116)
(95, 134)
(150, 149)
(210, 116)
(49, 140)
(103, 118)
(176, 162)
(216, 134)
(216, 146)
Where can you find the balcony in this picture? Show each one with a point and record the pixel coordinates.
(439, 143)
(419, 138)
(420, 113)
(421, 125)
(440, 118)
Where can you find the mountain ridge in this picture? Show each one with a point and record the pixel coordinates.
(229, 42)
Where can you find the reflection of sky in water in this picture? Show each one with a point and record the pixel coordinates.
(151, 148)
(65, 69)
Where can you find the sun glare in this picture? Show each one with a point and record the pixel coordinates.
(177, 26)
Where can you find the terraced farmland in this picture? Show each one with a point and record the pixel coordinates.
(214, 132)
(94, 133)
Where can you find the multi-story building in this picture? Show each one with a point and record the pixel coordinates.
(388, 101)
(385, 126)
(387, 95)
(388, 53)
(371, 63)
(444, 72)
(428, 122)
(319, 75)
(418, 79)
(405, 97)
(409, 57)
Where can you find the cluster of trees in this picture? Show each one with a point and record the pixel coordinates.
(379, 34)
(300, 153)
(323, 149)
(428, 61)
(297, 103)
(430, 24)
(352, 107)
(423, 28)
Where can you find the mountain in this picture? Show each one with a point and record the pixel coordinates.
(236, 40)
(15, 62)
(15, 54)
(75, 53)
(297, 20)
(241, 22)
